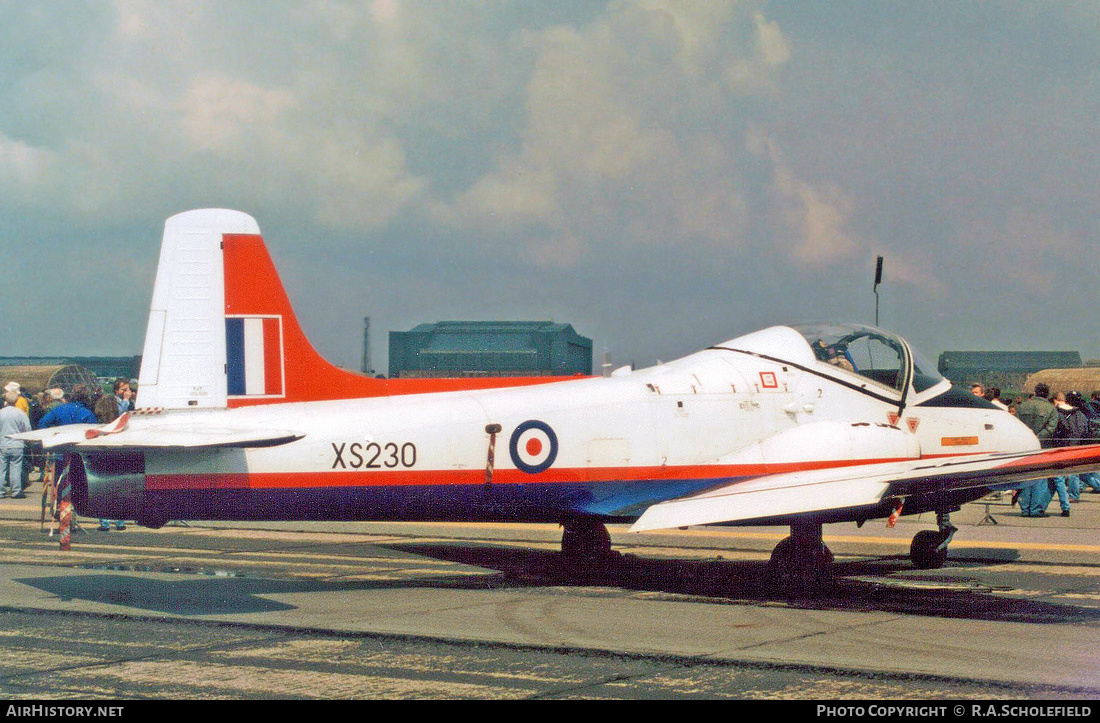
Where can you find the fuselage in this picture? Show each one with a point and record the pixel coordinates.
(604, 448)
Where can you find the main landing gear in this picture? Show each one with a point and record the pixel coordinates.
(929, 548)
(801, 565)
(585, 542)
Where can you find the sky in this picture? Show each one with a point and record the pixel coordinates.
(661, 174)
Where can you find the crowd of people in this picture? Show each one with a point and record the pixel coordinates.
(1059, 420)
(21, 412)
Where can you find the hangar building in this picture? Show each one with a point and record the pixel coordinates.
(489, 349)
(1005, 369)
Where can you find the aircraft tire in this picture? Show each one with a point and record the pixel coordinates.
(153, 523)
(585, 543)
(152, 514)
(800, 570)
(924, 553)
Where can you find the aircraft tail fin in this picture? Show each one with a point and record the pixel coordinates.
(222, 332)
(221, 329)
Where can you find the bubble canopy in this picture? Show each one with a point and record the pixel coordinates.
(872, 353)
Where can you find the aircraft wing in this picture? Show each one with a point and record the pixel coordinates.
(118, 436)
(821, 490)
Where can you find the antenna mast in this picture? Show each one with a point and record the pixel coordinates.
(878, 280)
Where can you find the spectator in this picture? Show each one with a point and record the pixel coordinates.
(36, 458)
(1080, 427)
(41, 403)
(106, 408)
(76, 411)
(1073, 427)
(55, 402)
(123, 395)
(1091, 408)
(21, 402)
(55, 397)
(106, 411)
(1091, 413)
(13, 420)
(1039, 415)
(977, 390)
(1042, 418)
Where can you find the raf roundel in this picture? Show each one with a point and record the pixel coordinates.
(533, 446)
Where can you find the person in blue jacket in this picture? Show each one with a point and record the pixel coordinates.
(75, 411)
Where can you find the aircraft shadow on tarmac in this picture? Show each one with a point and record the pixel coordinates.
(202, 595)
(863, 584)
(217, 592)
(873, 584)
(190, 596)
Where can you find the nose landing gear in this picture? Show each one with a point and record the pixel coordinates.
(929, 548)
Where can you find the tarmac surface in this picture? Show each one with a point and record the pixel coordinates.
(484, 611)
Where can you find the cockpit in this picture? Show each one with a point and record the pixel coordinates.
(871, 360)
(871, 353)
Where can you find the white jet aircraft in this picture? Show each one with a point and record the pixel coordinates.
(241, 419)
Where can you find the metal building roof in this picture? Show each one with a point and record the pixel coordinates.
(448, 348)
(1007, 361)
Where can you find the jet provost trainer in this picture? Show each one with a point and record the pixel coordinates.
(792, 425)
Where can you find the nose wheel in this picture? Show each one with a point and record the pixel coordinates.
(929, 548)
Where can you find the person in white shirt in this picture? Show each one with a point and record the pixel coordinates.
(13, 420)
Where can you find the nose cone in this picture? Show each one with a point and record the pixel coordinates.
(1012, 435)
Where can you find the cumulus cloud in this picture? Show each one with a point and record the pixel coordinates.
(363, 185)
(816, 215)
(624, 111)
(1025, 250)
(771, 45)
(23, 167)
(624, 141)
(177, 103)
(758, 73)
(220, 114)
(730, 138)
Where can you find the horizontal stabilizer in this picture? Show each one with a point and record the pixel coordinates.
(53, 437)
(794, 493)
(160, 436)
